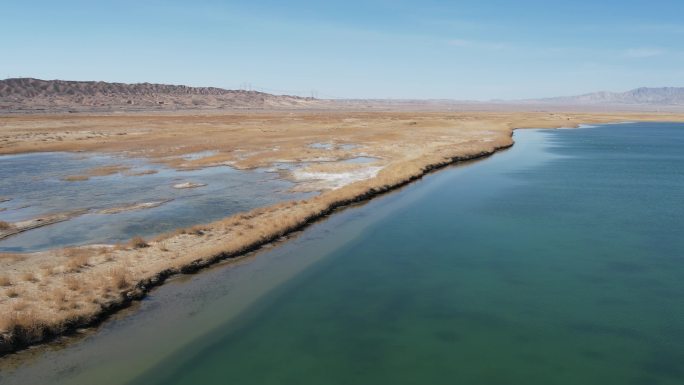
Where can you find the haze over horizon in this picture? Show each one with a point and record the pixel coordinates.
(356, 49)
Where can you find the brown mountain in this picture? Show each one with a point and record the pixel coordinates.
(27, 94)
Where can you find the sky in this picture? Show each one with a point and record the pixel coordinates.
(461, 49)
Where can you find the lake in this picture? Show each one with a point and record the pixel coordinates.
(559, 261)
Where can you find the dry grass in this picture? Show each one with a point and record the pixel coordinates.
(20, 305)
(140, 173)
(48, 271)
(77, 258)
(12, 293)
(97, 171)
(196, 230)
(5, 280)
(59, 296)
(138, 243)
(5, 225)
(107, 170)
(162, 245)
(119, 277)
(24, 325)
(75, 178)
(108, 257)
(14, 257)
(193, 230)
(29, 277)
(167, 137)
(73, 283)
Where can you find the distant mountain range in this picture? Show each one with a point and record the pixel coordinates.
(54, 95)
(664, 96)
(35, 95)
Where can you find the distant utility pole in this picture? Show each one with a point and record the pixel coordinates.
(314, 94)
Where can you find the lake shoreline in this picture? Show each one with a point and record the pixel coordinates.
(142, 288)
(266, 226)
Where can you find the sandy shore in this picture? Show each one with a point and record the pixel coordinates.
(50, 293)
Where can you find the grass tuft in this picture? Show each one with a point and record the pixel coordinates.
(73, 283)
(78, 259)
(162, 246)
(138, 243)
(29, 277)
(75, 178)
(23, 325)
(197, 230)
(12, 293)
(119, 278)
(5, 281)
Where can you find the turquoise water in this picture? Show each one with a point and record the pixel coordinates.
(560, 261)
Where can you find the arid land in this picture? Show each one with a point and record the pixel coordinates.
(46, 294)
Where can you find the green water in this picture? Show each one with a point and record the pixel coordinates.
(560, 261)
(560, 266)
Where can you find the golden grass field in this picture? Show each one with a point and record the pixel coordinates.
(47, 293)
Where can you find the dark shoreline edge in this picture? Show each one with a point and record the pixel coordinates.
(22, 341)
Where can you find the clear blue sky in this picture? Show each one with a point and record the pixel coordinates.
(467, 49)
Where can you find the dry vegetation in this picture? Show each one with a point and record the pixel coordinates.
(75, 178)
(138, 243)
(97, 171)
(47, 293)
(5, 281)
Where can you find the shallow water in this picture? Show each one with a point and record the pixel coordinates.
(559, 261)
(322, 146)
(330, 146)
(35, 184)
(361, 160)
